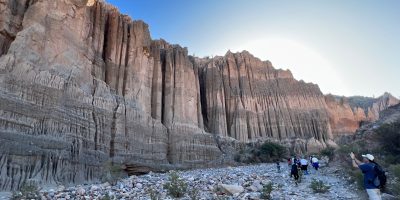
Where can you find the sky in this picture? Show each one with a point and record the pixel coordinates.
(346, 47)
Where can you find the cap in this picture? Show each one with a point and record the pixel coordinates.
(368, 156)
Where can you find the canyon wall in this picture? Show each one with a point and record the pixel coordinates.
(246, 99)
(82, 86)
(346, 114)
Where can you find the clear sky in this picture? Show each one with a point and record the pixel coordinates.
(347, 47)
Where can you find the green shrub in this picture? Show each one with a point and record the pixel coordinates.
(267, 152)
(153, 194)
(270, 151)
(394, 186)
(389, 137)
(176, 187)
(356, 176)
(396, 189)
(395, 170)
(194, 194)
(27, 191)
(112, 173)
(389, 159)
(329, 152)
(348, 148)
(266, 191)
(318, 186)
(105, 197)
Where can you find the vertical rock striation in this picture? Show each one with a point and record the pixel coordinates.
(82, 85)
(247, 99)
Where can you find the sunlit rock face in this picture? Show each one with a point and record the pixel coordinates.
(246, 98)
(90, 2)
(346, 114)
(82, 85)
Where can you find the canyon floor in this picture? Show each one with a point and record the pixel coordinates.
(249, 181)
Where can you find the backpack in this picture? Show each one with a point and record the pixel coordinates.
(380, 180)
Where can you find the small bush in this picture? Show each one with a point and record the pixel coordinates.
(27, 191)
(346, 149)
(105, 197)
(112, 173)
(318, 186)
(356, 176)
(154, 194)
(395, 170)
(390, 159)
(394, 185)
(396, 190)
(329, 152)
(194, 194)
(176, 187)
(266, 191)
(389, 137)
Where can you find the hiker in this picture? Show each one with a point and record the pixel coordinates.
(304, 165)
(294, 172)
(367, 166)
(296, 161)
(289, 161)
(278, 166)
(315, 162)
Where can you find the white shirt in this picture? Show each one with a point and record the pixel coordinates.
(303, 162)
(314, 160)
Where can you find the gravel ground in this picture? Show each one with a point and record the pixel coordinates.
(244, 182)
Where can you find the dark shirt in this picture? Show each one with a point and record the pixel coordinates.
(369, 175)
(294, 169)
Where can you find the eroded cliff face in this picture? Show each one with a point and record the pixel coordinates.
(246, 99)
(12, 13)
(82, 85)
(346, 114)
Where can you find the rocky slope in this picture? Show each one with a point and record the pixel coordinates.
(82, 85)
(346, 114)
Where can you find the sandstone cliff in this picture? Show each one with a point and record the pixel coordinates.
(82, 85)
(246, 98)
(347, 114)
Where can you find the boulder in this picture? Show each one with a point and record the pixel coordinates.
(231, 189)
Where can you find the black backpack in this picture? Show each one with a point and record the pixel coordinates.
(380, 180)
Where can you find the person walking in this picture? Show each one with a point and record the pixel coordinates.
(304, 165)
(367, 166)
(315, 162)
(296, 161)
(294, 172)
(278, 166)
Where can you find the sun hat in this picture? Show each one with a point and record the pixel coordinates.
(368, 156)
